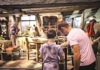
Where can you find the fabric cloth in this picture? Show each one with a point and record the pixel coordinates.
(14, 29)
(78, 36)
(51, 53)
(13, 32)
(90, 29)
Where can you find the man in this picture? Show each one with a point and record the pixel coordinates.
(91, 34)
(97, 32)
(83, 56)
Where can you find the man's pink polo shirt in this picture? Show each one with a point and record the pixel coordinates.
(78, 36)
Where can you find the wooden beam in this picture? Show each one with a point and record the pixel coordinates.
(56, 9)
(23, 6)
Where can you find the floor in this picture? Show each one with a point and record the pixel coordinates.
(25, 64)
(20, 65)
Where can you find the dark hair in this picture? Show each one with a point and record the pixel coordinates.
(93, 21)
(62, 24)
(51, 34)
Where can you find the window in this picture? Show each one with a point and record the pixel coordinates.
(69, 20)
(74, 21)
(77, 22)
(27, 22)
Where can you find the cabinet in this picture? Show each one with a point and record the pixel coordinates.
(49, 22)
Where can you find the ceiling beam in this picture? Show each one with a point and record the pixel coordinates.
(57, 9)
(23, 6)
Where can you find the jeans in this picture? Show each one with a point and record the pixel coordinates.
(88, 67)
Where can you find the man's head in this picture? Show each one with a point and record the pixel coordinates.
(64, 27)
(51, 34)
(93, 21)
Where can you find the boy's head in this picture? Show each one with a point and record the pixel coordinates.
(51, 34)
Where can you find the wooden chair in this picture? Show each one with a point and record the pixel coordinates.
(61, 39)
(31, 48)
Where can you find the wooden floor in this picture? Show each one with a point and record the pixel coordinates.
(27, 65)
(20, 65)
(24, 64)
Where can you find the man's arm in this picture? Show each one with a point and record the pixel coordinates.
(96, 40)
(76, 56)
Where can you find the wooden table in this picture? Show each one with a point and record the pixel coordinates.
(38, 41)
(3, 45)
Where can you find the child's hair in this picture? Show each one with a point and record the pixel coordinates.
(51, 34)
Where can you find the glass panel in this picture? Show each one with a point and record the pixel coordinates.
(77, 22)
(32, 17)
(32, 23)
(24, 25)
(27, 22)
(68, 20)
(25, 17)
